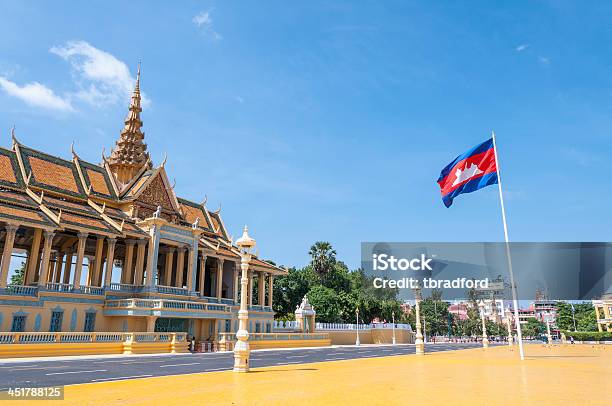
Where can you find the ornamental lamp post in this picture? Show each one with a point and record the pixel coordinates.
(357, 342)
(509, 325)
(241, 351)
(485, 338)
(573, 316)
(418, 341)
(393, 319)
(548, 335)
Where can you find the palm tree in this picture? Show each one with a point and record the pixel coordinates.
(323, 257)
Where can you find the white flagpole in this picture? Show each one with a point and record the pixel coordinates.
(513, 285)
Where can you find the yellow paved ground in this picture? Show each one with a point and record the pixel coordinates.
(570, 375)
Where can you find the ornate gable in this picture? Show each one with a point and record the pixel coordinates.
(157, 192)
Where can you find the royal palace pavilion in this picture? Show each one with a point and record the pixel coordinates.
(110, 247)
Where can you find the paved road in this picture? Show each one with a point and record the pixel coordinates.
(87, 370)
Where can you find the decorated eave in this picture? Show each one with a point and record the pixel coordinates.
(221, 248)
(48, 192)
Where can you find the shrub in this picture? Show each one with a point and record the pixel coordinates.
(589, 335)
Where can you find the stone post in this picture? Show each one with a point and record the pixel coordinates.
(241, 349)
(419, 344)
(485, 338)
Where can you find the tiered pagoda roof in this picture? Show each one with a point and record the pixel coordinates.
(44, 191)
(130, 152)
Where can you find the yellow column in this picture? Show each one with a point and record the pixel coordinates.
(44, 270)
(236, 280)
(140, 255)
(52, 262)
(110, 258)
(262, 289)
(33, 257)
(95, 277)
(78, 267)
(270, 289)
(598, 316)
(168, 268)
(180, 265)
(126, 272)
(11, 230)
(606, 310)
(190, 269)
(151, 323)
(219, 281)
(68, 267)
(202, 273)
(59, 261)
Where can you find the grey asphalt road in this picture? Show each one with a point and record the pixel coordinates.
(87, 370)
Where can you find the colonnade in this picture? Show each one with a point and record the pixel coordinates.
(64, 265)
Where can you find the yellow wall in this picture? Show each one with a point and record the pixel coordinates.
(61, 349)
(258, 345)
(374, 336)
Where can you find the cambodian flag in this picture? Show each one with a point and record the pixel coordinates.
(469, 172)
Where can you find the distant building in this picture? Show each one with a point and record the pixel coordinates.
(603, 312)
(459, 309)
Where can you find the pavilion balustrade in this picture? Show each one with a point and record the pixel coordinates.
(160, 304)
(100, 337)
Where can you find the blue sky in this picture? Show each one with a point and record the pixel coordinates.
(332, 120)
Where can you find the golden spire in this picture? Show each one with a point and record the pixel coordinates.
(130, 152)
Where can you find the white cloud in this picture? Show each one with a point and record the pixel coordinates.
(101, 77)
(36, 94)
(204, 22)
(522, 47)
(544, 60)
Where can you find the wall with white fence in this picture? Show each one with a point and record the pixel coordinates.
(346, 333)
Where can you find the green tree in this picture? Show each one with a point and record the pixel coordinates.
(583, 314)
(533, 327)
(289, 291)
(19, 275)
(323, 257)
(587, 321)
(564, 318)
(325, 302)
(435, 313)
(334, 290)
